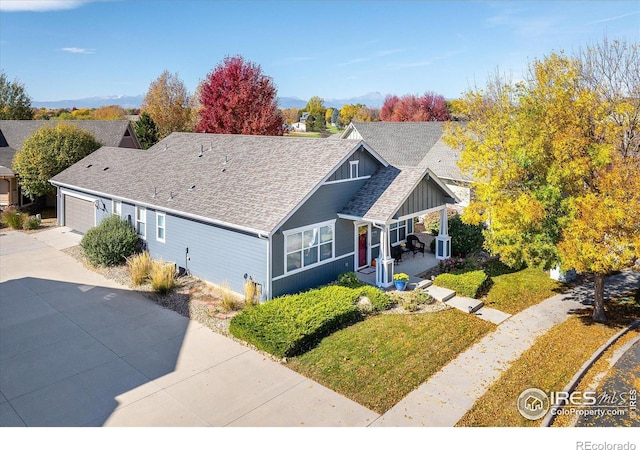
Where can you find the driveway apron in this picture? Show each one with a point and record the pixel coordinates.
(77, 349)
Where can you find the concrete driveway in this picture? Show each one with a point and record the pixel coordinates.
(77, 349)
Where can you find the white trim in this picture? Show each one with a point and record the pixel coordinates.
(302, 230)
(144, 221)
(164, 226)
(313, 266)
(113, 208)
(423, 212)
(70, 193)
(346, 180)
(354, 166)
(167, 210)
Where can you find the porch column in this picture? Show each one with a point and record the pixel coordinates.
(443, 240)
(384, 266)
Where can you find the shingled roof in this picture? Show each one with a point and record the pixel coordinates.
(251, 183)
(407, 144)
(13, 133)
(108, 132)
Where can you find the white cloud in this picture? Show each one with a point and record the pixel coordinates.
(83, 51)
(39, 5)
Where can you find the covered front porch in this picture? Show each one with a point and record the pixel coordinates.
(413, 265)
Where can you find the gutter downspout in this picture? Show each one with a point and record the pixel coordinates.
(268, 284)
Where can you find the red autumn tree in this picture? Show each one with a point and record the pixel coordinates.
(236, 98)
(409, 108)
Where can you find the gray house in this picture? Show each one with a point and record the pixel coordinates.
(13, 133)
(408, 143)
(289, 213)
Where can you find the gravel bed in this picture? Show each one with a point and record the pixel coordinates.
(192, 297)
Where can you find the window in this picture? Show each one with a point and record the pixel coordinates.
(116, 208)
(141, 221)
(309, 246)
(354, 169)
(160, 226)
(397, 232)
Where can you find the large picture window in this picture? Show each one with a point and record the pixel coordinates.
(305, 247)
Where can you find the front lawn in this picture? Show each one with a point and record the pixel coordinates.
(549, 365)
(379, 361)
(512, 292)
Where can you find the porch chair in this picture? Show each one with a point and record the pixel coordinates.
(414, 244)
(396, 253)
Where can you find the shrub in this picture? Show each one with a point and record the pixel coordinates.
(468, 284)
(162, 276)
(380, 300)
(415, 299)
(13, 218)
(289, 325)
(110, 243)
(140, 267)
(229, 302)
(465, 238)
(349, 279)
(250, 291)
(451, 265)
(32, 223)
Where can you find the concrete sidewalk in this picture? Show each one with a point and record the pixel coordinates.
(446, 397)
(77, 349)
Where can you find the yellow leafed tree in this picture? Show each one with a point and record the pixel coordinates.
(556, 162)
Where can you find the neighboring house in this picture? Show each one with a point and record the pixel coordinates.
(301, 126)
(13, 133)
(409, 143)
(288, 213)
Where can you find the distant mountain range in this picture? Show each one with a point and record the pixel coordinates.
(372, 100)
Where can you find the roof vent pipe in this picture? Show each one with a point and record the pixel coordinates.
(201, 152)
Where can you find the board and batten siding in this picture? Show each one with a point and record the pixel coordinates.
(425, 196)
(367, 165)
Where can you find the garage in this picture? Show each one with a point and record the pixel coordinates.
(79, 214)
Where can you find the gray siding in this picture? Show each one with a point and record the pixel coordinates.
(313, 277)
(366, 167)
(323, 205)
(425, 196)
(216, 254)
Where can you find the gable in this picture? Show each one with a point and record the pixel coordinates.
(359, 165)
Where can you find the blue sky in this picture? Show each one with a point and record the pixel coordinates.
(333, 49)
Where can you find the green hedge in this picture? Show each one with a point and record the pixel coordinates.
(468, 284)
(289, 325)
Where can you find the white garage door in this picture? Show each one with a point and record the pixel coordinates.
(79, 214)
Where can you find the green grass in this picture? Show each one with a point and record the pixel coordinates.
(379, 361)
(516, 291)
(549, 364)
(310, 134)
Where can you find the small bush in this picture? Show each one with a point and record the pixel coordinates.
(451, 265)
(380, 300)
(13, 218)
(32, 223)
(465, 238)
(290, 325)
(250, 291)
(415, 299)
(229, 301)
(162, 276)
(110, 243)
(468, 284)
(349, 279)
(140, 266)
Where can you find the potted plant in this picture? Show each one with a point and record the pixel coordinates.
(400, 280)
